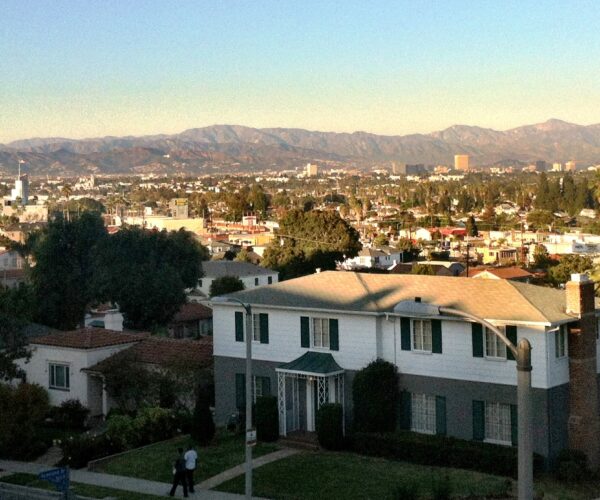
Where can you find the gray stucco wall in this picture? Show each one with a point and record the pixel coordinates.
(550, 407)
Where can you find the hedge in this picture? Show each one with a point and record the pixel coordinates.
(266, 416)
(330, 426)
(441, 451)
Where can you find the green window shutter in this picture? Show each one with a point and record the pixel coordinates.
(240, 391)
(405, 334)
(511, 334)
(478, 420)
(477, 337)
(405, 410)
(304, 331)
(440, 415)
(266, 386)
(436, 336)
(514, 436)
(264, 328)
(239, 326)
(334, 337)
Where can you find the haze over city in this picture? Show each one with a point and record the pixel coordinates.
(90, 69)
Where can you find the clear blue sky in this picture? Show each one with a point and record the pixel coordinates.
(77, 68)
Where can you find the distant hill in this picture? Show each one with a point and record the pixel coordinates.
(225, 147)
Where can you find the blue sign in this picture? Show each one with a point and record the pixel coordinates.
(58, 477)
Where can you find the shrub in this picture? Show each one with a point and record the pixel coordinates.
(121, 431)
(441, 488)
(203, 426)
(375, 396)
(154, 424)
(71, 414)
(441, 451)
(571, 466)
(80, 449)
(405, 491)
(330, 426)
(266, 417)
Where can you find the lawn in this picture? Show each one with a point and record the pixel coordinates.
(345, 475)
(80, 489)
(155, 462)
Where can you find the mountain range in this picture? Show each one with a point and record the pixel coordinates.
(233, 147)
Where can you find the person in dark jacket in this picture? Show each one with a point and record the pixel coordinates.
(179, 474)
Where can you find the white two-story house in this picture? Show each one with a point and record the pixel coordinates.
(311, 334)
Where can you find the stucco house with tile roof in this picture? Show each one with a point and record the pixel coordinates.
(311, 335)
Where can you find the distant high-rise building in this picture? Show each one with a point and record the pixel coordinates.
(571, 166)
(312, 170)
(540, 166)
(179, 208)
(21, 190)
(398, 168)
(557, 167)
(461, 162)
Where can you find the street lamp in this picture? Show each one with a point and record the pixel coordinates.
(522, 354)
(250, 437)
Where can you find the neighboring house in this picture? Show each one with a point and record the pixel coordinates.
(440, 268)
(250, 274)
(513, 273)
(500, 256)
(105, 316)
(382, 258)
(311, 335)
(193, 320)
(57, 361)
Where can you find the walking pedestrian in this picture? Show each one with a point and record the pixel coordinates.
(191, 457)
(179, 474)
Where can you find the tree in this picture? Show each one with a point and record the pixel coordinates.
(472, 227)
(538, 218)
(409, 250)
(16, 306)
(381, 240)
(310, 240)
(541, 257)
(258, 200)
(62, 277)
(375, 396)
(147, 272)
(423, 269)
(569, 264)
(226, 284)
(243, 256)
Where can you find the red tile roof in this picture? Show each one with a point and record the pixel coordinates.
(89, 338)
(192, 311)
(164, 351)
(506, 273)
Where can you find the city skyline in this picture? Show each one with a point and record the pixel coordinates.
(93, 69)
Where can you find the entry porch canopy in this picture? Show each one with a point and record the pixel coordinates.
(312, 366)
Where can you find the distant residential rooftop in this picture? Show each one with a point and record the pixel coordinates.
(220, 268)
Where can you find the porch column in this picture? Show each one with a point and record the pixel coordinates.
(310, 407)
(104, 398)
(281, 402)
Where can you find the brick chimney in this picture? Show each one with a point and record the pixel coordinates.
(584, 411)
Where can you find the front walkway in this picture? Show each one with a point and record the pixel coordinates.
(151, 487)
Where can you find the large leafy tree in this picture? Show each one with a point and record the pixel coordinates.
(16, 306)
(226, 284)
(147, 272)
(310, 240)
(64, 267)
(569, 264)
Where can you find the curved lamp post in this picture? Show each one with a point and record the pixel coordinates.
(522, 354)
(249, 434)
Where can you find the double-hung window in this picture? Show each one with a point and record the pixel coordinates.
(320, 333)
(560, 342)
(498, 423)
(423, 418)
(494, 347)
(59, 376)
(256, 327)
(421, 330)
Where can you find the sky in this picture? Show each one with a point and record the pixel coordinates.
(77, 68)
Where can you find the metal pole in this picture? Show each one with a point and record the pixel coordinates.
(249, 331)
(525, 441)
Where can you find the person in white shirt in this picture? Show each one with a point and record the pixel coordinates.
(190, 457)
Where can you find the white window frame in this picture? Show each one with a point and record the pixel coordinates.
(422, 335)
(257, 388)
(320, 333)
(256, 327)
(493, 345)
(423, 413)
(52, 366)
(498, 427)
(560, 342)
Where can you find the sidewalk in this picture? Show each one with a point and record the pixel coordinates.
(151, 487)
(116, 482)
